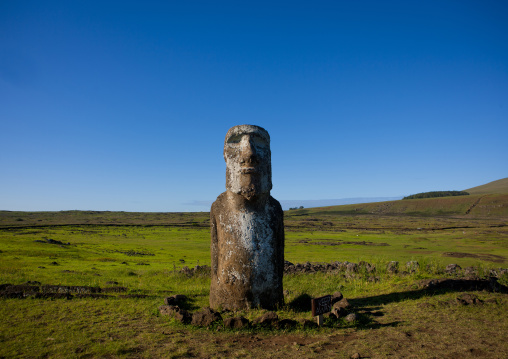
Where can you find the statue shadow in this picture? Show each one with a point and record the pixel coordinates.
(302, 303)
(189, 304)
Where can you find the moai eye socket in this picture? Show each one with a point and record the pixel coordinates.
(235, 139)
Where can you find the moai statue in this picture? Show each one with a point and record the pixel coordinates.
(247, 227)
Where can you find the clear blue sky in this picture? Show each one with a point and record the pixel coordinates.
(125, 105)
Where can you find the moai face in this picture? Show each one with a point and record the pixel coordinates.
(248, 161)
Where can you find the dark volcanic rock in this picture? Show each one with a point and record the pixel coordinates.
(182, 315)
(468, 299)
(392, 267)
(351, 317)
(337, 296)
(168, 309)
(412, 266)
(267, 319)
(175, 299)
(343, 303)
(205, 317)
(452, 268)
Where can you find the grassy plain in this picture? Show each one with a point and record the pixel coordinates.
(144, 252)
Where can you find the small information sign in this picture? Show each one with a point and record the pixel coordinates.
(321, 305)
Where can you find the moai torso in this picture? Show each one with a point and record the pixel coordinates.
(247, 231)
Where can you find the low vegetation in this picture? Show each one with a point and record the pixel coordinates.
(132, 261)
(436, 194)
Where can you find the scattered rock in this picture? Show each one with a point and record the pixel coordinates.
(452, 268)
(236, 323)
(392, 267)
(352, 268)
(182, 315)
(205, 317)
(356, 356)
(351, 317)
(471, 272)
(337, 296)
(412, 266)
(468, 299)
(290, 268)
(343, 303)
(267, 319)
(168, 309)
(175, 299)
(370, 268)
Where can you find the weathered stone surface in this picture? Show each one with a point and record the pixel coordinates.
(392, 267)
(468, 299)
(452, 268)
(182, 315)
(236, 323)
(205, 317)
(343, 303)
(337, 296)
(471, 272)
(168, 309)
(338, 312)
(352, 268)
(351, 317)
(412, 266)
(267, 319)
(246, 224)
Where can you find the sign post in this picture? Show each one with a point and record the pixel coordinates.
(320, 306)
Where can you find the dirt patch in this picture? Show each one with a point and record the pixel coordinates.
(486, 257)
(283, 342)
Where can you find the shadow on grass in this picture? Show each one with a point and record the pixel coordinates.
(302, 303)
(433, 287)
(368, 308)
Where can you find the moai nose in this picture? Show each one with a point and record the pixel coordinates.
(248, 149)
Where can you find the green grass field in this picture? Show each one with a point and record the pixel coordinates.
(138, 251)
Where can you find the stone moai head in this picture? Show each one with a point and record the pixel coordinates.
(248, 161)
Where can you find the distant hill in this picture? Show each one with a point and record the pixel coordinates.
(478, 205)
(499, 186)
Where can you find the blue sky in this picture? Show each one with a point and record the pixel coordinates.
(124, 105)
